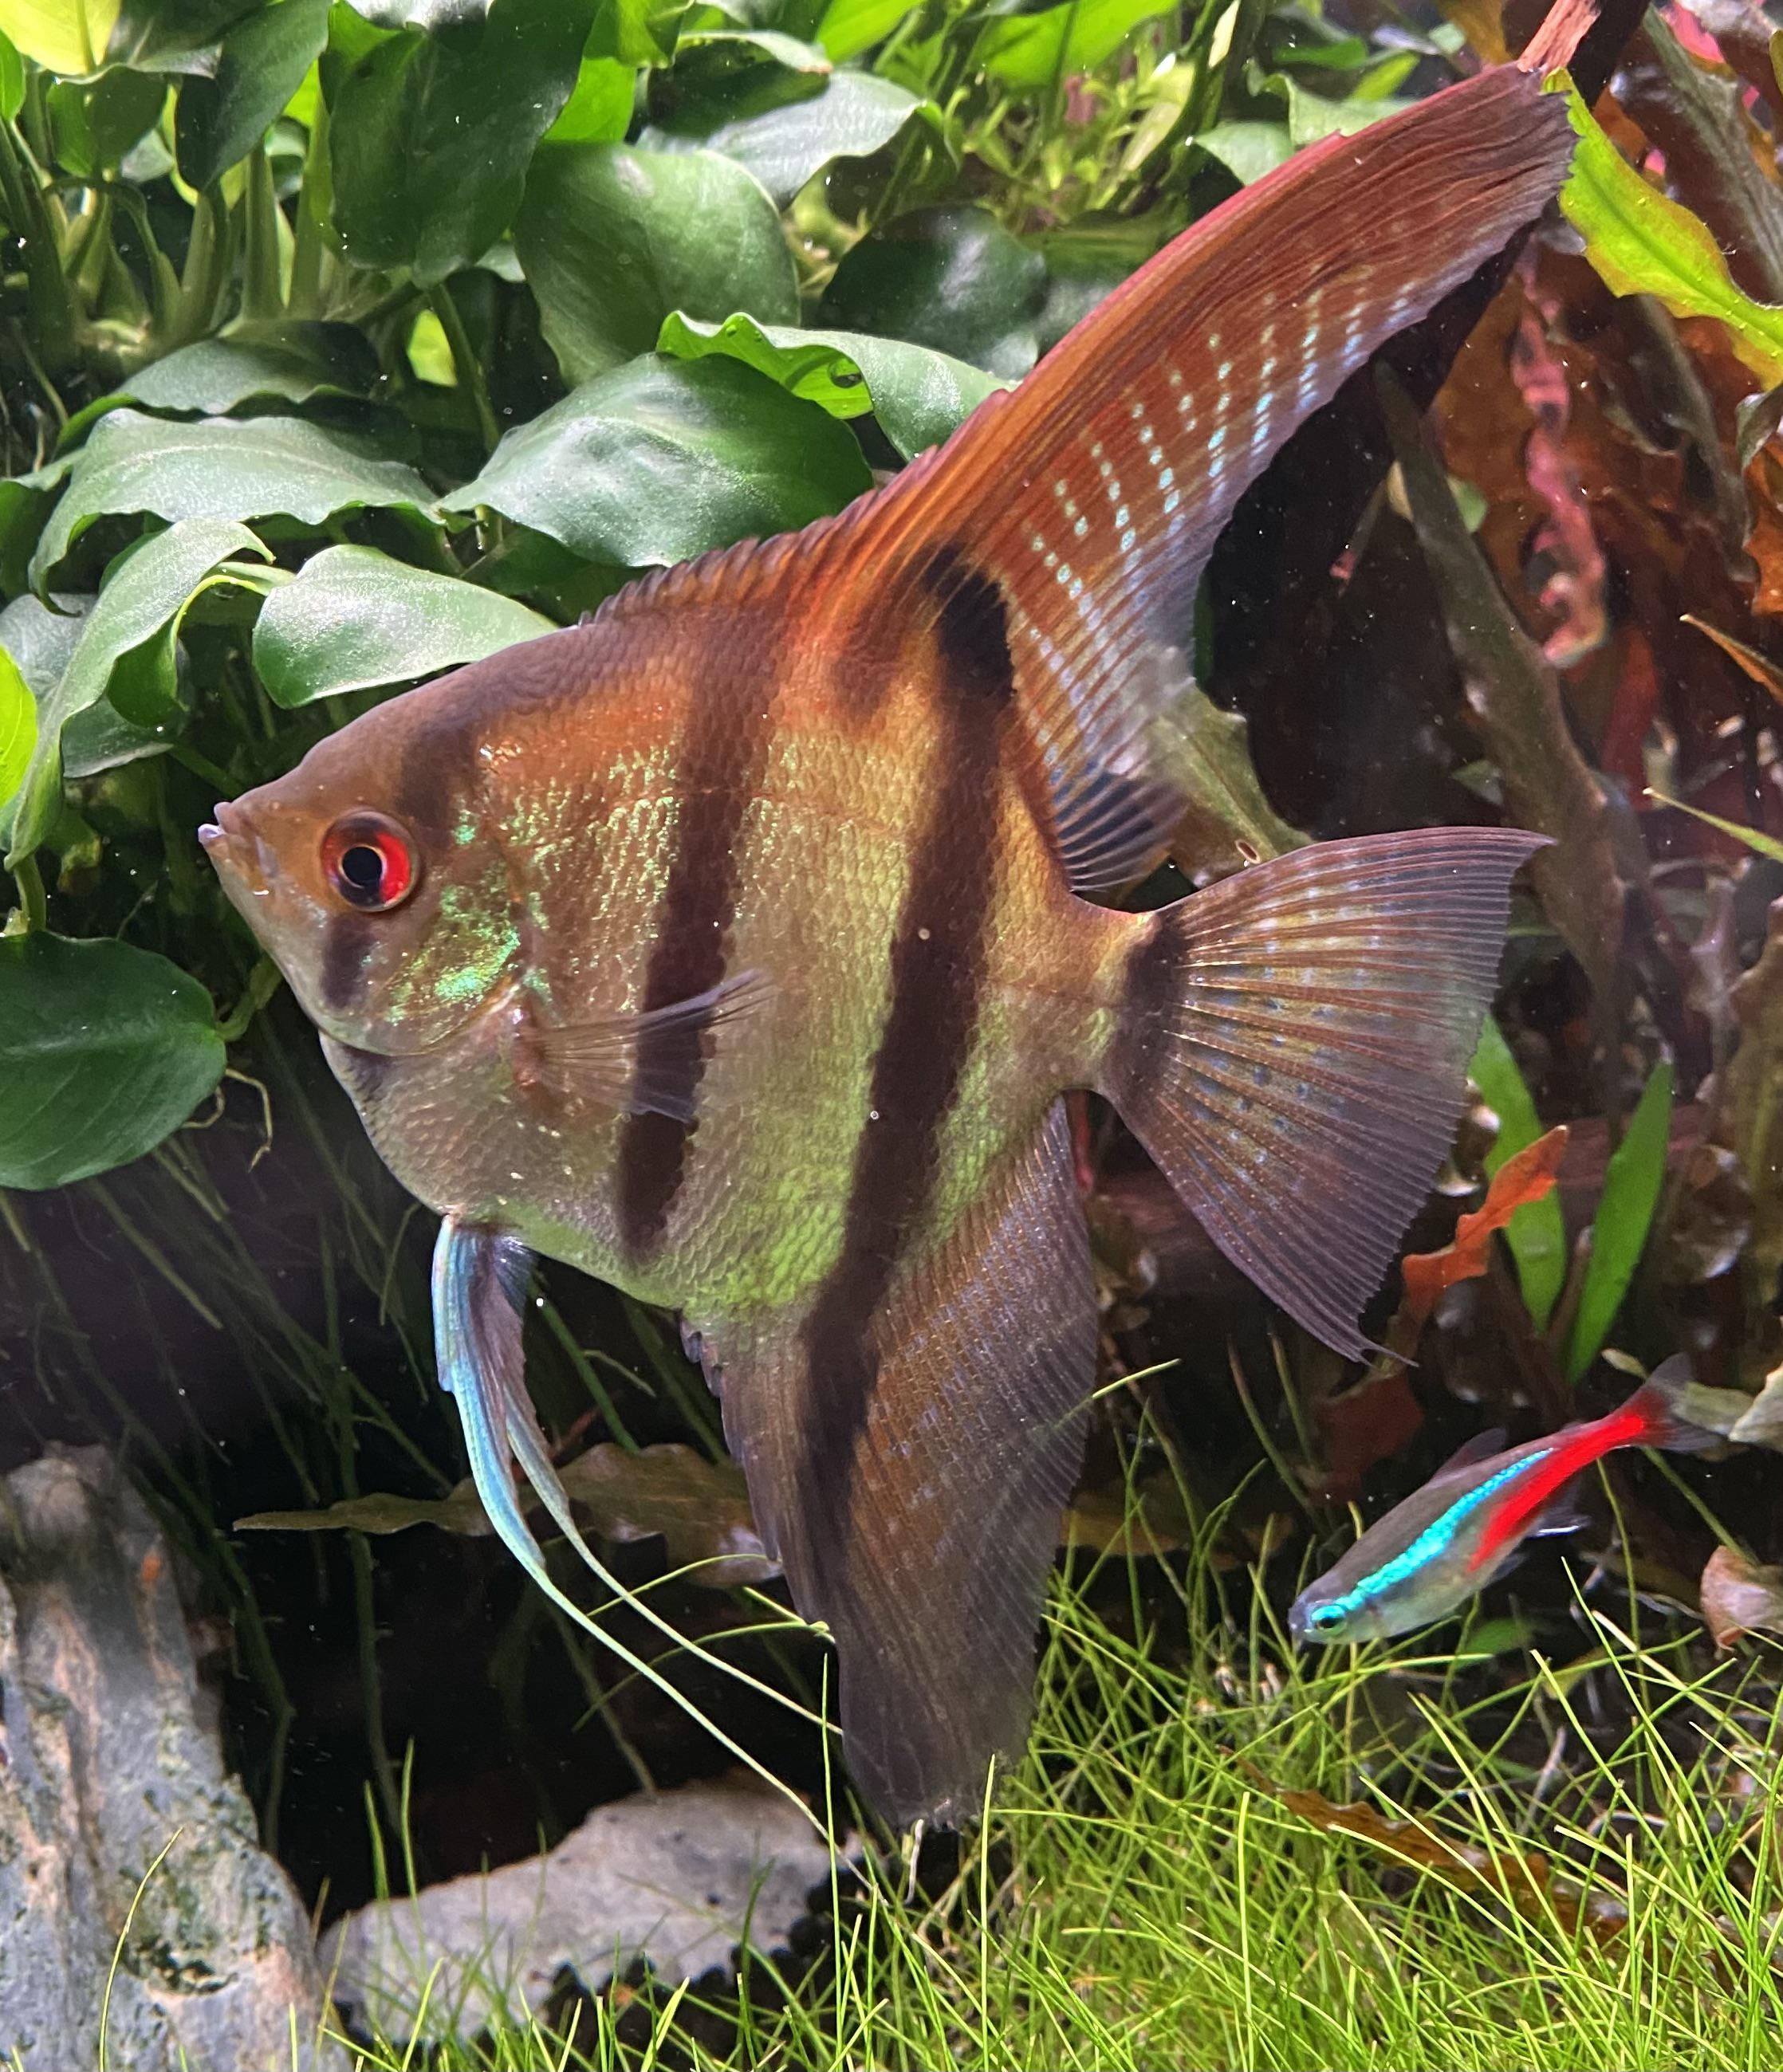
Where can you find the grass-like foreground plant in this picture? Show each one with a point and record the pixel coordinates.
(1143, 1897)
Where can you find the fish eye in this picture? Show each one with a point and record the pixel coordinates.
(1326, 1618)
(370, 861)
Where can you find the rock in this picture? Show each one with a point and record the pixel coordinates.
(675, 1877)
(121, 1833)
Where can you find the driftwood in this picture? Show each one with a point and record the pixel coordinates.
(122, 1836)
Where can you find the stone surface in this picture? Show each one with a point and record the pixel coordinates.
(679, 1878)
(121, 1832)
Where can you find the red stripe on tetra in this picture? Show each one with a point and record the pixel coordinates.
(1626, 1427)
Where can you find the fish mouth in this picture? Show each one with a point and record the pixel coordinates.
(233, 848)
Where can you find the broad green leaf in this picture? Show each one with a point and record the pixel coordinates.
(613, 239)
(722, 73)
(639, 32)
(1536, 1232)
(920, 397)
(265, 57)
(953, 279)
(104, 1051)
(143, 599)
(428, 15)
(792, 52)
(94, 122)
(429, 135)
(1085, 262)
(1641, 242)
(65, 36)
(430, 351)
(1755, 838)
(1247, 149)
(598, 110)
(662, 459)
(12, 80)
(221, 468)
(18, 729)
(1632, 1183)
(290, 360)
(1034, 49)
(1311, 117)
(1335, 52)
(172, 36)
(42, 641)
(850, 26)
(24, 504)
(854, 116)
(353, 619)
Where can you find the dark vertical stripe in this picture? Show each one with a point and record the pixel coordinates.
(719, 770)
(1151, 992)
(347, 943)
(938, 962)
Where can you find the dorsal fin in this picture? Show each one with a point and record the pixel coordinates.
(1093, 493)
(1472, 1452)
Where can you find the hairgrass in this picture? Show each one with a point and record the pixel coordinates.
(1143, 1898)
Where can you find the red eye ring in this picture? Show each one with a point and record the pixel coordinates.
(369, 862)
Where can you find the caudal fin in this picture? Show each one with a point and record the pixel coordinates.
(1294, 1048)
(1659, 1403)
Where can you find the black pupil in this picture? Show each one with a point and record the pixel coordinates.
(362, 867)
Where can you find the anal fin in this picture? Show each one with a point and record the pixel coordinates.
(928, 1557)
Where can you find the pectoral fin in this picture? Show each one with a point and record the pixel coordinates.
(1567, 1513)
(642, 1064)
(913, 1487)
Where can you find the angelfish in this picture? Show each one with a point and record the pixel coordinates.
(1469, 1523)
(738, 946)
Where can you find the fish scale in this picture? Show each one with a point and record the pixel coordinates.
(741, 950)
